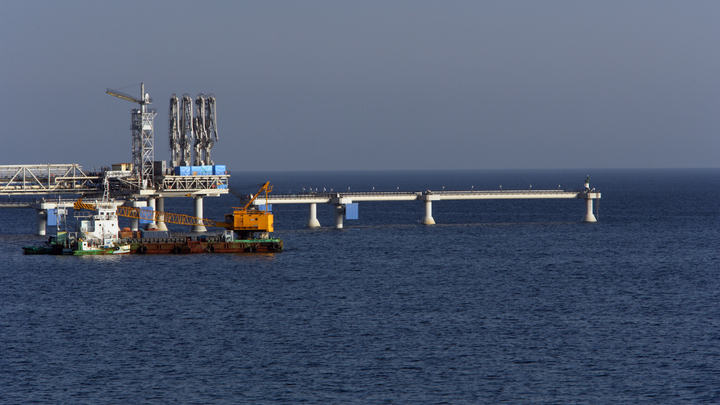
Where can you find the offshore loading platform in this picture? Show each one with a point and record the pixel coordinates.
(143, 183)
(138, 189)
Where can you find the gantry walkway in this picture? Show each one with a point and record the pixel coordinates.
(46, 179)
(22, 186)
(64, 179)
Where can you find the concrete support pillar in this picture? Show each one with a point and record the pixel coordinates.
(312, 216)
(160, 204)
(199, 214)
(339, 212)
(589, 217)
(41, 222)
(151, 203)
(134, 222)
(428, 219)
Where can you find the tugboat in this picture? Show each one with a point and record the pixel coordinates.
(97, 235)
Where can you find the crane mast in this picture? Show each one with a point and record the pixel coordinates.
(142, 125)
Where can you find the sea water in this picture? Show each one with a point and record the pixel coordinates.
(513, 301)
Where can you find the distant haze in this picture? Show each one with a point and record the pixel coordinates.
(325, 85)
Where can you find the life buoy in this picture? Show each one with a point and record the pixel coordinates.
(276, 246)
(211, 249)
(143, 249)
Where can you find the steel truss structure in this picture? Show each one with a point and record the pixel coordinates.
(143, 144)
(194, 184)
(47, 179)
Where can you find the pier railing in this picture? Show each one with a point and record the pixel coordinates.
(408, 195)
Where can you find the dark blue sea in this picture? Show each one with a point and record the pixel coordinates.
(501, 302)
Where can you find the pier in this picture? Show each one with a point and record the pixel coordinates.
(34, 181)
(345, 203)
(145, 182)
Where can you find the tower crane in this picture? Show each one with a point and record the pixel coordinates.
(143, 148)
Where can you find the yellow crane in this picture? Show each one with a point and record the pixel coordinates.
(240, 220)
(243, 220)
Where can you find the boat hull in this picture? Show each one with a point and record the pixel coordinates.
(185, 247)
(48, 250)
(164, 246)
(116, 250)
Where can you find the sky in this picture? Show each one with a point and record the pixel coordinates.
(370, 85)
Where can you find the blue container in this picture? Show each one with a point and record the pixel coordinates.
(201, 170)
(351, 211)
(219, 169)
(155, 234)
(261, 207)
(183, 171)
(51, 217)
(222, 186)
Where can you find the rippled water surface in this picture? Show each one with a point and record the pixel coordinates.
(502, 301)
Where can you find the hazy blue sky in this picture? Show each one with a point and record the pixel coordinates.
(323, 85)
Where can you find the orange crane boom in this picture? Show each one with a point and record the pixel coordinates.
(156, 216)
(240, 220)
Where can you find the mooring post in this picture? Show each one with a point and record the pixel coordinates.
(312, 216)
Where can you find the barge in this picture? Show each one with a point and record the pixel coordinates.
(226, 243)
(246, 231)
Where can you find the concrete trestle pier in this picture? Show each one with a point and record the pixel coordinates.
(58, 180)
(341, 200)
